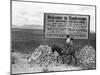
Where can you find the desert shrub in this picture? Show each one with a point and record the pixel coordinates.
(13, 61)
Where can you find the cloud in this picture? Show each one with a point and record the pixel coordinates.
(32, 13)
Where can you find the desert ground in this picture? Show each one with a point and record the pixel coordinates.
(25, 41)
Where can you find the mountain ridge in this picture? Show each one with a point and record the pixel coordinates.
(33, 26)
(28, 26)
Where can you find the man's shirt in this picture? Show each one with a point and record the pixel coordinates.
(69, 41)
(69, 45)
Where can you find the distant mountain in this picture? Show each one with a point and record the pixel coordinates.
(14, 26)
(35, 27)
(32, 27)
(28, 26)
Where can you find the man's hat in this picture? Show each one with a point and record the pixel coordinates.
(67, 35)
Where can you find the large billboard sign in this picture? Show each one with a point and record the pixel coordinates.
(60, 25)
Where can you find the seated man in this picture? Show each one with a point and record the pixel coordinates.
(70, 50)
(69, 42)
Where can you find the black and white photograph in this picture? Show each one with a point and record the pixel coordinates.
(52, 37)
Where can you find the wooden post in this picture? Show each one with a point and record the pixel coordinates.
(89, 30)
(44, 38)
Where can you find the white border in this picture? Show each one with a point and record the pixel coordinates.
(5, 37)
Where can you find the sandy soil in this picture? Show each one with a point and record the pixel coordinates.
(22, 66)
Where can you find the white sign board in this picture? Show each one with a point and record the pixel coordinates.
(60, 25)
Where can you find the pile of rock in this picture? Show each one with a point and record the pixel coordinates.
(42, 56)
(87, 55)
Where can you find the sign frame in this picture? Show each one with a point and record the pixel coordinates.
(67, 14)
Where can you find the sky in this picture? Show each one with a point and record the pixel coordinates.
(30, 13)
